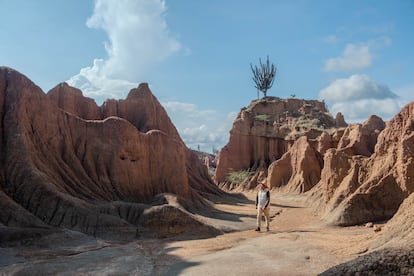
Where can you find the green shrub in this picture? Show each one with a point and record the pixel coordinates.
(308, 123)
(262, 117)
(238, 177)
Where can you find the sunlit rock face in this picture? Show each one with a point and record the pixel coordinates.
(264, 131)
(354, 173)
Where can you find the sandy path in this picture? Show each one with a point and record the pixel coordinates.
(298, 244)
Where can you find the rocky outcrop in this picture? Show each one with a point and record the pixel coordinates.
(59, 169)
(72, 100)
(298, 170)
(358, 189)
(340, 120)
(142, 109)
(388, 261)
(360, 139)
(354, 174)
(266, 129)
(393, 254)
(399, 230)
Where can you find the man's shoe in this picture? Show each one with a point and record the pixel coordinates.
(257, 229)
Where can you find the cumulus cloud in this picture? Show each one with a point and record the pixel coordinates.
(355, 87)
(358, 111)
(138, 39)
(206, 129)
(358, 97)
(354, 57)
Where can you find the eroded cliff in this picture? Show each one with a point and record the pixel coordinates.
(66, 162)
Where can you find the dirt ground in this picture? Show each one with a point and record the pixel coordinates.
(298, 243)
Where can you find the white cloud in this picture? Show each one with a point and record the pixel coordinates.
(354, 88)
(358, 97)
(138, 39)
(360, 110)
(204, 128)
(354, 57)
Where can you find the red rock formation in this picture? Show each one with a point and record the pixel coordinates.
(361, 189)
(264, 131)
(360, 139)
(64, 170)
(141, 109)
(340, 121)
(298, 170)
(151, 114)
(72, 100)
(399, 231)
(325, 142)
(391, 252)
(367, 169)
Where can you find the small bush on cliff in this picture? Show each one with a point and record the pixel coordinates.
(262, 117)
(238, 177)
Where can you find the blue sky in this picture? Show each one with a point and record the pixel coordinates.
(356, 55)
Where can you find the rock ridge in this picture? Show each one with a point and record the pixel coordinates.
(63, 158)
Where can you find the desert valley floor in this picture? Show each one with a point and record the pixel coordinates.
(297, 244)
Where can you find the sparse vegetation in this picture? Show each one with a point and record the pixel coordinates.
(264, 75)
(262, 117)
(238, 176)
(309, 123)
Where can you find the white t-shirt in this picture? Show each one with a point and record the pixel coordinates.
(262, 198)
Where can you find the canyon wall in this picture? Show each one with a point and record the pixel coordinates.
(65, 162)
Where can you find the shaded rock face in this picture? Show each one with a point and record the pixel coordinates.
(399, 231)
(58, 169)
(72, 100)
(340, 120)
(265, 130)
(143, 111)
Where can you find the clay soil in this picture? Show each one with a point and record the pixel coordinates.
(298, 243)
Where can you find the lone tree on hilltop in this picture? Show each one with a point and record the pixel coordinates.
(264, 75)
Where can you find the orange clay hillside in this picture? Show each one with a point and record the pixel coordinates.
(113, 189)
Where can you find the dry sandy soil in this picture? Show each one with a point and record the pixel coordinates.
(297, 244)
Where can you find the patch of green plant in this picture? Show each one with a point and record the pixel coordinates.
(238, 177)
(262, 117)
(310, 123)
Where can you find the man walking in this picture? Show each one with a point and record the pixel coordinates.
(262, 204)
